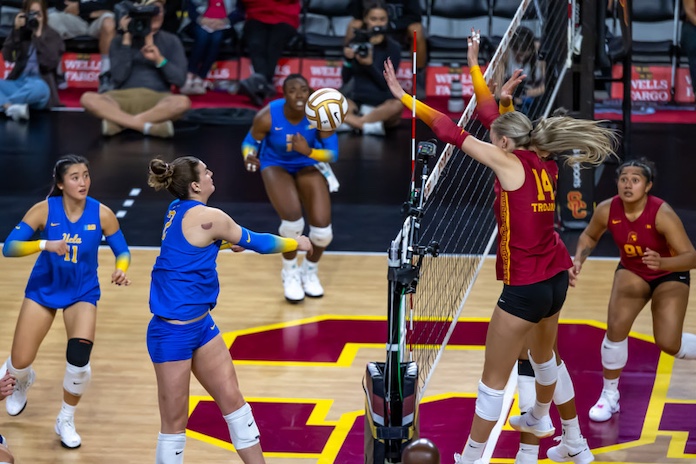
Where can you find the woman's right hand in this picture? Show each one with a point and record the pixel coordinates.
(7, 385)
(20, 20)
(252, 163)
(392, 82)
(303, 244)
(59, 247)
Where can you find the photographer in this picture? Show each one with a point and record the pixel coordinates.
(146, 62)
(36, 50)
(371, 106)
(95, 18)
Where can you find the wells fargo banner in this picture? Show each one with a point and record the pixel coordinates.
(652, 83)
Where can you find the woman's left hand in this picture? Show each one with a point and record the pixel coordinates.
(119, 278)
(652, 259)
(300, 145)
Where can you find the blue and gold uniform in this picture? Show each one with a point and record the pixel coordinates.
(61, 281)
(184, 287)
(276, 148)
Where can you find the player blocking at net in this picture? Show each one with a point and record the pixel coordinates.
(532, 261)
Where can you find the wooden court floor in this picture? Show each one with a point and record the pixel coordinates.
(118, 416)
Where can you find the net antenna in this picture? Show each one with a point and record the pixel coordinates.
(455, 213)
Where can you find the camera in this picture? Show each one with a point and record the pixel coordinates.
(360, 43)
(140, 15)
(32, 20)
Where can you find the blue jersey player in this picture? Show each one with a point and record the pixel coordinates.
(71, 226)
(293, 159)
(182, 336)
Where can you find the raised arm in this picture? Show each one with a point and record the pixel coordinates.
(505, 165)
(684, 258)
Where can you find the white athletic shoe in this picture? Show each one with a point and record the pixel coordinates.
(18, 111)
(605, 407)
(69, 437)
(374, 128)
(292, 285)
(578, 452)
(542, 428)
(311, 284)
(17, 401)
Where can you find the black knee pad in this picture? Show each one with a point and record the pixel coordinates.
(524, 367)
(78, 352)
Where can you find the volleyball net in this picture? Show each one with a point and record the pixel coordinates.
(458, 194)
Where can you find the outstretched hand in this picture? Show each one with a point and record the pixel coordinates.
(392, 82)
(508, 89)
(473, 43)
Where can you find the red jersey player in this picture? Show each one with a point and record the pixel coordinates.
(656, 256)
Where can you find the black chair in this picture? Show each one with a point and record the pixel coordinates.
(502, 11)
(661, 50)
(321, 32)
(454, 13)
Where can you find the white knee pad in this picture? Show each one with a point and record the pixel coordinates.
(243, 429)
(564, 386)
(614, 354)
(489, 402)
(688, 347)
(321, 236)
(291, 229)
(545, 373)
(76, 379)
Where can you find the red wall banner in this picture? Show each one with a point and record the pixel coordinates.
(652, 84)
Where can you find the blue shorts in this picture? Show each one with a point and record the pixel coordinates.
(292, 166)
(176, 342)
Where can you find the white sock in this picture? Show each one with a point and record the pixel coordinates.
(21, 375)
(310, 266)
(473, 450)
(67, 411)
(170, 448)
(529, 450)
(290, 264)
(611, 385)
(105, 65)
(146, 128)
(538, 411)
(688, 347)
(571, 429)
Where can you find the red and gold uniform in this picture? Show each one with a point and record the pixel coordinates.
(634, 237)
(529, 249)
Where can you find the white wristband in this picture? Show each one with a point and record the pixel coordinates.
(42, 244)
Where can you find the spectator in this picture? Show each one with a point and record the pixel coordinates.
(371, 106)
(405, 18)
(143, 78)
(35, 49)
(688, 38)
(95, 18)
(524, 55)
(209, 23)
(270, 25)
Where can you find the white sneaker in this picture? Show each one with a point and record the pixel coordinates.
(458, 459)
(69, 437)
(605, 407)
(17, 401)
(18, 111)
(579, 452)
(311, 284)
(292, 285)
(542, 429)
(374, 128)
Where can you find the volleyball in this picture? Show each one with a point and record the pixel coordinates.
(326, 108)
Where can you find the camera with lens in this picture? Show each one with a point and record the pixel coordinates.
(31, 20)
(360, 43)
(140, 17)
